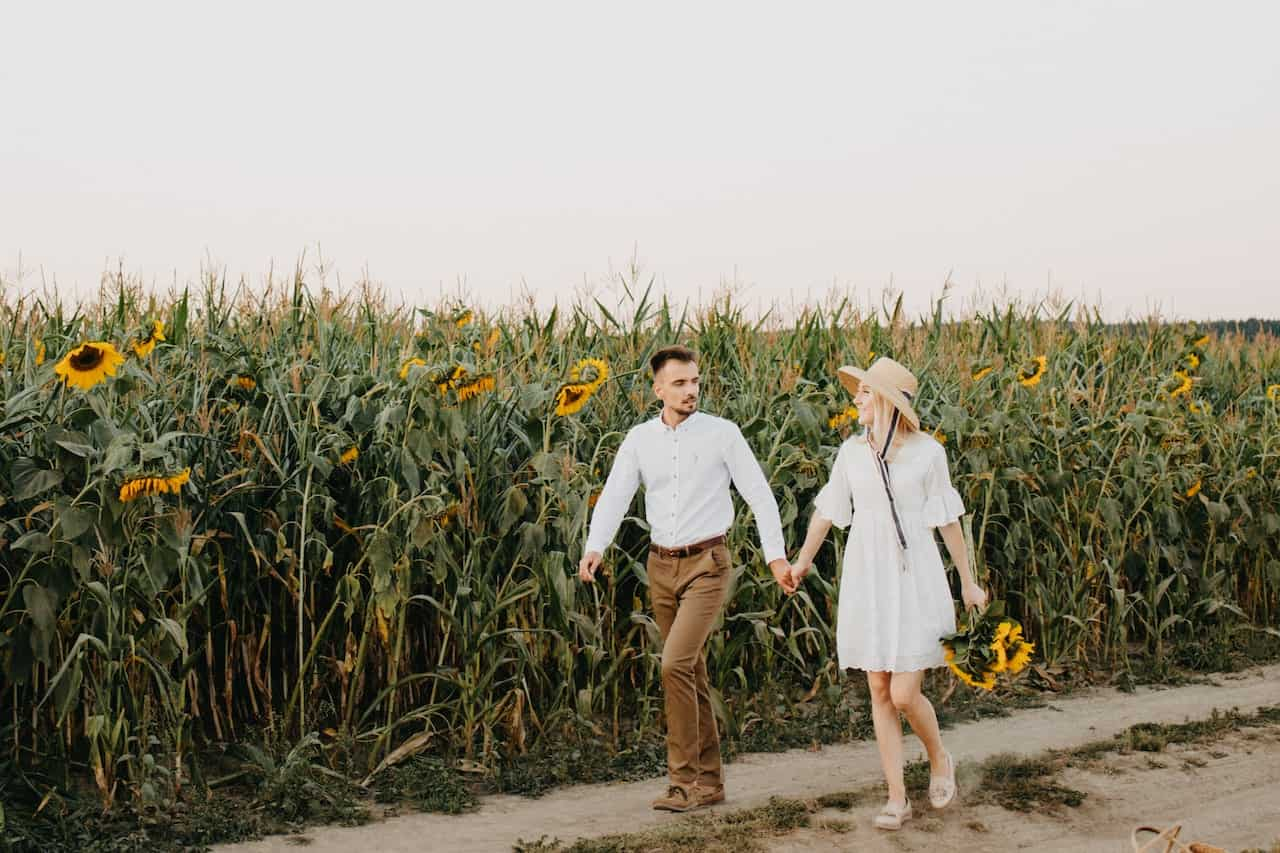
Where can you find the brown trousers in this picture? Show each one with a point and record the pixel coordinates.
(687, 595)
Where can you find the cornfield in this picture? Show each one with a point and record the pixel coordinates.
(329, 515)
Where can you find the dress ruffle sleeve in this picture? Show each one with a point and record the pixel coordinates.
(835, 501)
(943, 503)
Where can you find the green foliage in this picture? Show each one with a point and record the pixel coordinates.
(423, 586)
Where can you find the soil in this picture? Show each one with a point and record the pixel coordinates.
(1226, 792)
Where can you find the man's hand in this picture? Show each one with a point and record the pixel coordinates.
(588, 566)
(973, 595)
(799, 569)
(782, 574)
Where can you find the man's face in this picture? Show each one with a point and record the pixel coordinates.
(676, 385)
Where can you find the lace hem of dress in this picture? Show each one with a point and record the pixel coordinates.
(912, 663)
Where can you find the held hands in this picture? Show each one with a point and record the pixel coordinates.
(799, 569)
(782, 573)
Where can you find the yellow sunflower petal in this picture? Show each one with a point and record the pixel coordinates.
(89, 364)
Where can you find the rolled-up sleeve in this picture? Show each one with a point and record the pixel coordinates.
(619, 489)
(942, 504)
(835, 500)
(749, 480)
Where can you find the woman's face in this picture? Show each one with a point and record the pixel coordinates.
(866, 402)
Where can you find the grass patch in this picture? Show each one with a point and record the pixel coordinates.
(579, 757)
(1024, 784)
(428, 784)
(740, 831)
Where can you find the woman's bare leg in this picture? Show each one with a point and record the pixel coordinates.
(904, 693)
(888, 734)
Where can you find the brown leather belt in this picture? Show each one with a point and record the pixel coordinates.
(686, 550)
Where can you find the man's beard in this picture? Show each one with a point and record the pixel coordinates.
(688, 407)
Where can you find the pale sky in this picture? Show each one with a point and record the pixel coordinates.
(1123, 149)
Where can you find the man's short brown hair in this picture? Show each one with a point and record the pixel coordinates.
(672, 353)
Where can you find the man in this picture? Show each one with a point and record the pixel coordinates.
(686, 460)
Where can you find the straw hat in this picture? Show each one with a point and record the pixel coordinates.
(888, 379)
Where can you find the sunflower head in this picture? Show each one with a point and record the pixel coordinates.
(1179, 385)
(981, 373)
(244, 382)
(1273, 393)
(1195, 488)
(572, 397)
(1032, 371)
(351, 454)
(463, 318)
(144, 345)
(1021, 657)
(141, 487)
(590, 371)
(476, 387)
(39, 348)
(446, 382)
(88, 364)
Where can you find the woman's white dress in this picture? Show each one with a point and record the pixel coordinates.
(894, 603)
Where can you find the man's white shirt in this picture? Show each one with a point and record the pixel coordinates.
(686, 472)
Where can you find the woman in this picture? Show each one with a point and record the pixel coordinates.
(895, 602)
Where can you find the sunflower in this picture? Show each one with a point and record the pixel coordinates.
(476, 387)
(1020, 658)
(88, 364)
(998, 646)
(1200, 407)
(446, 383)
(599, 368)
(245, 383)
(1201, 342)
(463, 318)
(1273, 393)
(940, 436)
(144, 346)
(39, 351)
(572, 397)
(351, 454)
(1033, 371)
(1191, 360)
(986, 681)
(1195, 488)
(1184, 384)
(848, 416)
(981, 373)
(140, 487)
(404, 368)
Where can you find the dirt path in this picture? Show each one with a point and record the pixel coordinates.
(1233, 800)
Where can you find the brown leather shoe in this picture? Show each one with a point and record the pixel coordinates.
(678, 799)
(705, 796)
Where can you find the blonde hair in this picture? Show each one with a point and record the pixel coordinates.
(883, 409)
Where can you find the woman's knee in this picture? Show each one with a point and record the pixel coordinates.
(879, 682)
(903, 694)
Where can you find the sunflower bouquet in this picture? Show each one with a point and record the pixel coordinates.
(989, 645)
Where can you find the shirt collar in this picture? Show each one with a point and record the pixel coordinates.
(684, 425)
